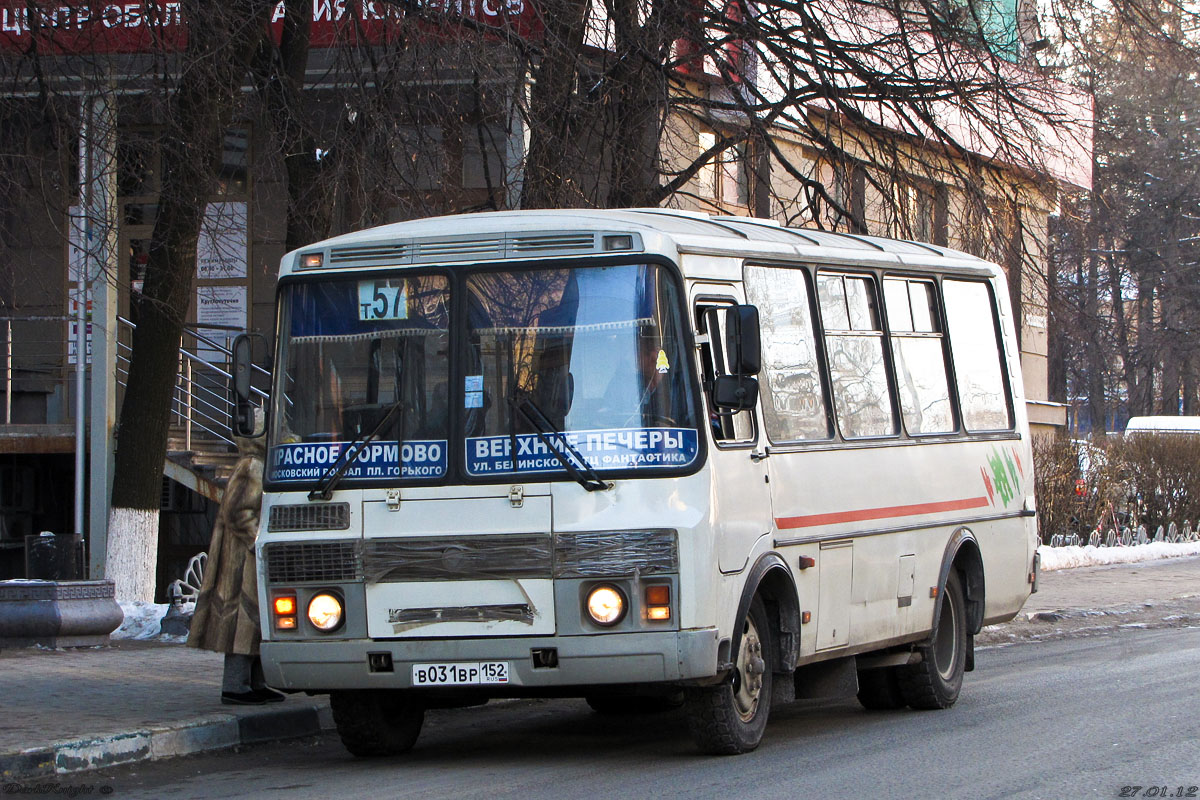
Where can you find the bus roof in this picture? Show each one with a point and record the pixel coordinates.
(512, 235)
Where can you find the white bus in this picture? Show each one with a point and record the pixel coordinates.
(643, 457)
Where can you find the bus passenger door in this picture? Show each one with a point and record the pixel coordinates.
(741, 502)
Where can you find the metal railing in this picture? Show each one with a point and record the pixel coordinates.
(36, 363)
(1126, 536)
(202, 403)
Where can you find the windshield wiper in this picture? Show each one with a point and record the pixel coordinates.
(329, 479)
(583, 474)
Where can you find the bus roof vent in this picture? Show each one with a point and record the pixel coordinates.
(449, 249)
(530, 243)
(394, 253)
(486, 248)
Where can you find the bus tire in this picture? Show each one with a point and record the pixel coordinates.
(935, 681)
(730, 718)
(879, 689)
(374, 723)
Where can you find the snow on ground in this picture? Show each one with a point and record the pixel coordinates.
(1088, 556)
(144, 621)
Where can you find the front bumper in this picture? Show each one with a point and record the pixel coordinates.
(583, 661)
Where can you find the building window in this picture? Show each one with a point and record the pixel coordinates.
(706, 177)
(849, 194)
(915, 212)
(725, 178)
(235, 161)
(483, 156)
(418, 157)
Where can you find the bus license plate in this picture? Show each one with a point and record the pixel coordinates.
(460, 674)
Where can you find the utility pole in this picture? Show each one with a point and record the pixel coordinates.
(98, 144)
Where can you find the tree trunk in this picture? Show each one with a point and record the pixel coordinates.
(548, 183)
(638, 106)
(1096, 357)
(310, 202)
(222, 37)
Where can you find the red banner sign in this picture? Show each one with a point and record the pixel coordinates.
(67, 27)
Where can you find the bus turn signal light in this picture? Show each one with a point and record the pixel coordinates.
(284, 607)
(658, 602)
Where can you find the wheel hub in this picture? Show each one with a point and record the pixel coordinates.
(945, 645)
(748, 682)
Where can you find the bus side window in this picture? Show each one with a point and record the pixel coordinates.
(976, 348)
(725, 426)
(862, 396)
(792, 384)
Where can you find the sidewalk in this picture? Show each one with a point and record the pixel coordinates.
(1116, 585)
(69, 710)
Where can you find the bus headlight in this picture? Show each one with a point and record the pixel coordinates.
(325, 611)
(606, 605)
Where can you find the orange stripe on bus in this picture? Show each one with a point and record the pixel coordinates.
(887, 512)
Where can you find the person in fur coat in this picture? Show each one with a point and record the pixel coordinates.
(226, 616)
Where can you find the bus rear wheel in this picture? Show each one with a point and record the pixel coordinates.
(375, 723)
(936, 681)
(730, 718)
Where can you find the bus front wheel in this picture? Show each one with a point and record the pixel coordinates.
(376, 722)
(730, 718)
(935, 681)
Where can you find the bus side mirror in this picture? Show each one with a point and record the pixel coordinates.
(735, 392)
(243, 422)
(743, 343)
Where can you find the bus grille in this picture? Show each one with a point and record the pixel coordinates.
(609, 554)
(503, 557)
(310, 517)
(594, 554)
(308, 562)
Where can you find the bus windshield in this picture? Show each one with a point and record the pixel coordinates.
(562, 371)
(589, 362)
(359, 358)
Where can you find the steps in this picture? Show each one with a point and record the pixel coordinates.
(204, 467)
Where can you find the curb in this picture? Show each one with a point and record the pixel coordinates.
(211, 733)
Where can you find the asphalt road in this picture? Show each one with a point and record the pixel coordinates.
(1063, 718)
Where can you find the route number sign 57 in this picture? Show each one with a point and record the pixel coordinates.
(382, 299)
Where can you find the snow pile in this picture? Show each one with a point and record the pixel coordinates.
(144, 621)
(1088, 556)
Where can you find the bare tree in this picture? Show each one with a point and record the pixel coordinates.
(886, 115)
(201, 99)
(1126, 256)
